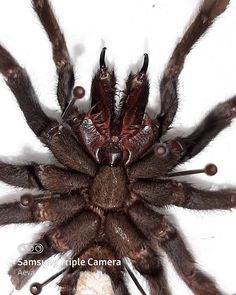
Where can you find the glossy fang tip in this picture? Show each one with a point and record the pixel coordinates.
(145, 64)
(102, 58)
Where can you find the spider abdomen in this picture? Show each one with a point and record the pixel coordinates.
(109, 188)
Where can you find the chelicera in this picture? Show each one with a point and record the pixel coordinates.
(113, 168)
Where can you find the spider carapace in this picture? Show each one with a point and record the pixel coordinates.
(113, 169)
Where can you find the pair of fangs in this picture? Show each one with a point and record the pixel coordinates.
(79, 91)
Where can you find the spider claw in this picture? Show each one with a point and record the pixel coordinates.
(102, 58)
(145, 64)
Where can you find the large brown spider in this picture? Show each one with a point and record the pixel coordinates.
(114, 168)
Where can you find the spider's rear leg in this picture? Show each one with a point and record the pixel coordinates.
(24, 269)
(166, 192)
(128, 242)
(46, 177)
(161, 233)
(60, 52)
(169, 82)
(75, 235)
(39, 208)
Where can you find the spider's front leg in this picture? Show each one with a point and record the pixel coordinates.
(60, 52)
(169, 154)
(20, 84)
(168, 86)
(161, 233)
(166, 192)
(218, 119)
(59, 139)
(126, 240)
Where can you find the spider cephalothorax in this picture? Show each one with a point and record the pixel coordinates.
(113, 168)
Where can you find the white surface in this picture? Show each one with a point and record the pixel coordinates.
(128, 29)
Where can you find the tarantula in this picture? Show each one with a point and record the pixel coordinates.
(113, 168)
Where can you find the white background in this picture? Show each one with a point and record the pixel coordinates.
(128, 29)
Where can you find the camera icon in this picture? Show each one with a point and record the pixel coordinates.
(33, 248)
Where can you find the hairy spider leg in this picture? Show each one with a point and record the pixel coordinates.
(46, 177)
(76, 235)
(126, 240)
(217, 120)
(44, 207)
(60, 180)
(180, 149)
(169, 192)
(169, 82)
(20, 84)
(165, 154)
(17, 271)
(21, 176)
(162, 234)
(60, 52)
(65, 148)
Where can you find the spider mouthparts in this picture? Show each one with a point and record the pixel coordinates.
(210, 170)
(102, 58)
(145, 64)
(36, 288)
